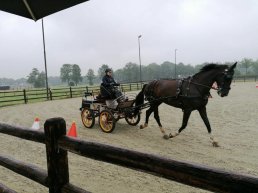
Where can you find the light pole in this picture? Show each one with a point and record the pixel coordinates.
(45, 58)
(175, 63)
(140, 57)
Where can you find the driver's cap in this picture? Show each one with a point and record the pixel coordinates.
(108, 70)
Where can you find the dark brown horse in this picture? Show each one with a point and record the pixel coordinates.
(188, 94)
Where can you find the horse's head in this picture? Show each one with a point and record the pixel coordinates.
(224, 79)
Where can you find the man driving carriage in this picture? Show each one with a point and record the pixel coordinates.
(108, 86)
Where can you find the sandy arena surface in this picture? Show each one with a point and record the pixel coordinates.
(234, 124)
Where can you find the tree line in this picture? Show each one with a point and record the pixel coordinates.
(70, 74)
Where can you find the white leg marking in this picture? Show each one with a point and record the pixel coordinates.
(165, 136)
(143, 126)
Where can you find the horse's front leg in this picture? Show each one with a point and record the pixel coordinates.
(186, 115)
(148, 113)
(156, 116)
(205, 119)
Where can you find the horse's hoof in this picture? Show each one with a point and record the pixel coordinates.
(165, 136)
(215, 144)
(141, 127)
(172, 136)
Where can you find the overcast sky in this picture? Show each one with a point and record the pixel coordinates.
(106, 32)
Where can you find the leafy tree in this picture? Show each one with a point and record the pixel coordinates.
(119, 75)
(255, 67)
(70, 72)
(152, 71)
(237, 72)
(184, 70)
(101, 70)
(36, 78)
(33, 76)
(246, 63)
(76, 74)
(167, 70)
(66, 73)
(131, 72)
(90, 76)
(41, 81)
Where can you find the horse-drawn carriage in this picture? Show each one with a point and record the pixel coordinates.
(108, 111)
(189, 94)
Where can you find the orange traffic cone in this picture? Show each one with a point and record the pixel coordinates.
(72, 131)
(35, 125)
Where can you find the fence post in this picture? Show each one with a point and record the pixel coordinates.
(87, 89)
(50, 93)
(57, 160)
(137, 86)
(130, 87)
(24, 96)
(71, 92)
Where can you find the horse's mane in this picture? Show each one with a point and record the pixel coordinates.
(209, 67)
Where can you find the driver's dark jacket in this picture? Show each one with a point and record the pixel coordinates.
(108, 81)
(107, 86)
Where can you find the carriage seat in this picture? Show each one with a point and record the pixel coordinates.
(101, 99)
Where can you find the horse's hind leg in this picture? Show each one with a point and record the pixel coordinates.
(156, 116)
(203, 113)
(186, 116)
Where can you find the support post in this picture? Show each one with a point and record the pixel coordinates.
(57, 160)
(45, 57)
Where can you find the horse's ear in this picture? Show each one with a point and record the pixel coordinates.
(233, 66)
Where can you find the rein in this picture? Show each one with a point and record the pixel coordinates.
(210, 87)
(198, 84)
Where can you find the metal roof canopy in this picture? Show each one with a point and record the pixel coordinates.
(36, 9)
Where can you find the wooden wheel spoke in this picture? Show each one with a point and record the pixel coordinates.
(88, 118)
(106, 121)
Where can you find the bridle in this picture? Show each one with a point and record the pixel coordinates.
(227, 75)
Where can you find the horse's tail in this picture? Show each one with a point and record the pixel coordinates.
(139, 100)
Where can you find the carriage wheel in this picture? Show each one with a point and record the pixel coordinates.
(133, 119)
(88, 118)
(107, 121)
